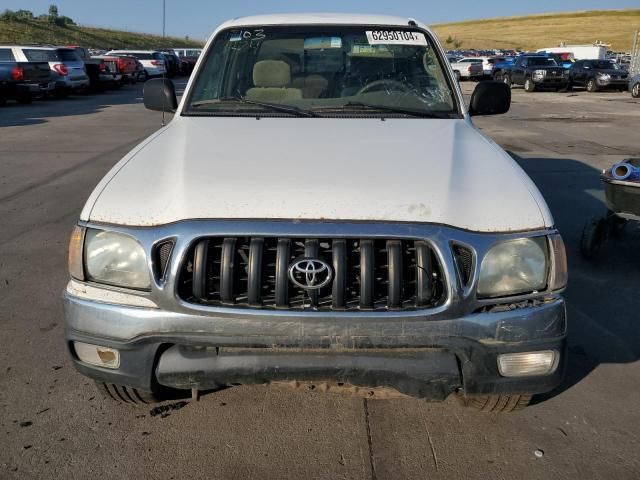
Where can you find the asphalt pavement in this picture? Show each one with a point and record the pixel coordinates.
(54, 424)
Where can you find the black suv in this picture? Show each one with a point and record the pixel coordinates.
(536, 73)
(598, 75)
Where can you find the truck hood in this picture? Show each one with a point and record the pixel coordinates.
(407, 170)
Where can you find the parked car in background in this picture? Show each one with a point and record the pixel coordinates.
(107, 74)
(67, 68)
(579, 52)
(486, 62)
(597, 75)
(565, 59)
(22, 81)
(140, 74)
(172, 62)
(187, 64)
(152, 61)
(128, 68)
(188, 58)
(634, 86)
(534, 73)
(466, 70)
(187, 52)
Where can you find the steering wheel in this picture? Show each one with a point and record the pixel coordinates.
(392, 84)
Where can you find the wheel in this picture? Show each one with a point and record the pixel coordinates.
(507, 80)
(529, 86)
(594, 236)
(496, 403)
(615, 225)
(497, 77)
(129, 395)
(592, 86)
(635, 91)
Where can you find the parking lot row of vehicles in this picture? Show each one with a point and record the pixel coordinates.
(29, 71)
(543, 71)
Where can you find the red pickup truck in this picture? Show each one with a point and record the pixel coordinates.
(128, 68)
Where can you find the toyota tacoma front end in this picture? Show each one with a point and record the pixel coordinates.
(320, 209)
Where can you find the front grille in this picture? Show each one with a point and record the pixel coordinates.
(367, 274)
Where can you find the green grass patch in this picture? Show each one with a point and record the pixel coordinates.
(33, 31)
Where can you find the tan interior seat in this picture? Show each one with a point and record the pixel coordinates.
(272, 80)
(312, 86)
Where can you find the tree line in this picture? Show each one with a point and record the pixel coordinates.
(27, 16)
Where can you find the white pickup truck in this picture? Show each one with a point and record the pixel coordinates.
(319, 209)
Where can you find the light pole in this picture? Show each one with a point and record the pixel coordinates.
(163, 18)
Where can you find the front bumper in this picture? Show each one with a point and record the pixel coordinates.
(621, 83)
(551, 82)
(417, 355)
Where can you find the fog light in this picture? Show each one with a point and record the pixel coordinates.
(97, 355)
(528, 363)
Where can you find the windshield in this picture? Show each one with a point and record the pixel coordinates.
(542, 61)
(323, 71)
(606, 65)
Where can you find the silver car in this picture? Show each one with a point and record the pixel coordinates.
(67, 68)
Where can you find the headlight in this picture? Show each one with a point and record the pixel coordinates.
(115, 259)
(514, 267)
(604, 77)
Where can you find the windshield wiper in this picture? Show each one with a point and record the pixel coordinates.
(278, 107)
(400, 110)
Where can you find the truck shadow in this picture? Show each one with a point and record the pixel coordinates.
(602, 300)
(14, 114)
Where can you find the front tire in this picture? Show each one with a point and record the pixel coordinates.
(529, 86)
(635, 91)
(128, 395)
(592, 86)
(506, 79)
(496, 403)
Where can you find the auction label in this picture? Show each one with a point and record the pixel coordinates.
(395, 37)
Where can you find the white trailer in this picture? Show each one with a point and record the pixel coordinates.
(580, 52)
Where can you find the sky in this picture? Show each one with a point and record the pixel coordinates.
(198, 18)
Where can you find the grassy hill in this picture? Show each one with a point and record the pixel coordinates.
(33, 31)
(530, 32)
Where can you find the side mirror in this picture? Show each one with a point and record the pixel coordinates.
(160, 94)
(490, 98)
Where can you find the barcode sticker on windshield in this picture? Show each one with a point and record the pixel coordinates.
(396, 37)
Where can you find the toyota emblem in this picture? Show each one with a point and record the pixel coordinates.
(310, 273)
